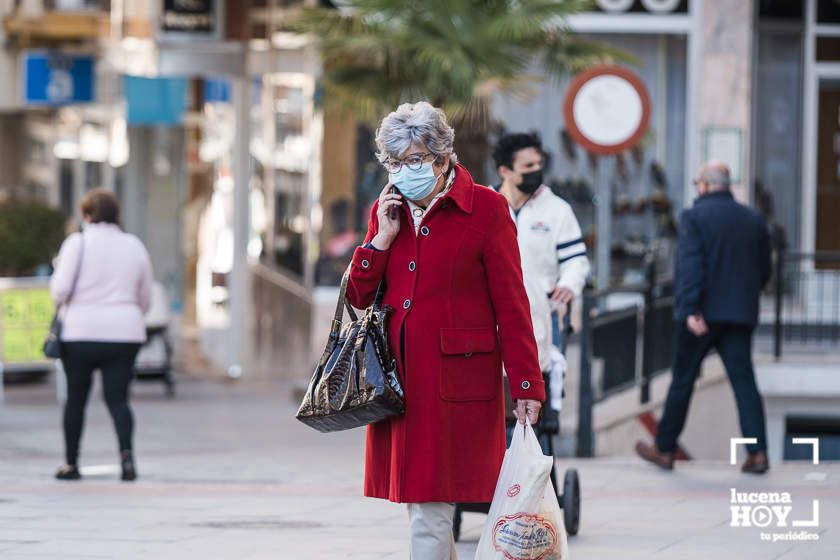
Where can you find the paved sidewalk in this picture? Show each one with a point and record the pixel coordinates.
(227, 473)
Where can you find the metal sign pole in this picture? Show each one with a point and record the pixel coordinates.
(604, 220)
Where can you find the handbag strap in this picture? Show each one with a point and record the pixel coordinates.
(78, 269)
(343, 303)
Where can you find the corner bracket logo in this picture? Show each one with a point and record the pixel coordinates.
(772, 509)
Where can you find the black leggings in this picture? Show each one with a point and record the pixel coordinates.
(116, 361)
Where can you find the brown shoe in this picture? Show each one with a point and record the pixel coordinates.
(756, 463)
(651, 453)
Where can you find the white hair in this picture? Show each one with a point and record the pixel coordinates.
(411, 123)
(716, 173)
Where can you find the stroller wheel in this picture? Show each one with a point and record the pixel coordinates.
(571, 501)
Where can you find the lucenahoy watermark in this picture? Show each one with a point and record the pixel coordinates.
(772, 509)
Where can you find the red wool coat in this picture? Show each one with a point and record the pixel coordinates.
(460, 310)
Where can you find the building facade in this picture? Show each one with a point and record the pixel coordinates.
(207, 122)
(202, 118)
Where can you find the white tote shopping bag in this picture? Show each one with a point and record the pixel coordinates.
(524, 522)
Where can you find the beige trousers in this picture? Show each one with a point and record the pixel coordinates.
(430, 525)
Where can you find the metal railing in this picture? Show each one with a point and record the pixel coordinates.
(806, 306)
(634, 342)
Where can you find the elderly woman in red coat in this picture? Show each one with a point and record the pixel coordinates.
(446, 249)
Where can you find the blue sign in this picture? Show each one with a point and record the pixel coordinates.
(155, 100)
(217, 90)
(52, 78)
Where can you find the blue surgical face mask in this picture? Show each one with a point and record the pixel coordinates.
(415, 185)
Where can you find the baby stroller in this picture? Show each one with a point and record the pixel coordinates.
(154, 361)
(547, 427)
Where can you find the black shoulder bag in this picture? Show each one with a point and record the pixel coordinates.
(356, 381)
(52, 345)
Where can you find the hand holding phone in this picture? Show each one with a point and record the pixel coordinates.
(388, 217)
(392, 212)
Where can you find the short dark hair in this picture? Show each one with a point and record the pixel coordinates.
(100, 205)
(509, 144)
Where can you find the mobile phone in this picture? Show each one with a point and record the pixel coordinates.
(392, 211)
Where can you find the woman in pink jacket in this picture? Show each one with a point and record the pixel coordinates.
(103, 279)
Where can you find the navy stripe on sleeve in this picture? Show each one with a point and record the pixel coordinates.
(569, 243)
(583, 254)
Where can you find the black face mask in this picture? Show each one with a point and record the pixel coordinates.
(531, 181)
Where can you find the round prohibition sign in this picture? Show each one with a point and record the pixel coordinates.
(607, 109)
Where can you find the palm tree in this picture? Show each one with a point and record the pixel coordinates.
(454, 53)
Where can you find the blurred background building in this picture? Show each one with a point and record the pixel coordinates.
(206, 117)
(202, 117)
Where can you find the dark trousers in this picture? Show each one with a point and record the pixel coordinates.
(734, 345)
(116, 362)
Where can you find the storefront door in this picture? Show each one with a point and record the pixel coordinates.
(827, 230)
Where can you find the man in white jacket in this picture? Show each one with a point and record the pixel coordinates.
(554, 262)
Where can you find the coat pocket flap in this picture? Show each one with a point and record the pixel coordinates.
(467, 341)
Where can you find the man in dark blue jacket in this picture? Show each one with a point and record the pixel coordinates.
(723, 262)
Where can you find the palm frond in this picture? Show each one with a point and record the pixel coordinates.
(457, 54)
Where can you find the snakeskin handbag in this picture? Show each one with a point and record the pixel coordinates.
(356, 381)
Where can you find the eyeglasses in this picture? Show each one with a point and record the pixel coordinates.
(414, 161)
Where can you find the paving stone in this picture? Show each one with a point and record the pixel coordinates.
(227, 473)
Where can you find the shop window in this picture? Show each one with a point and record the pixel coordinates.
(828, 11)
(289, 221)
(824, 428)
(828, 169)
(291, 145)
(777, 134)
(281, 148)
(828, 49)
(781, 9)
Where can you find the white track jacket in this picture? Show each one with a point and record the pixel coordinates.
(553, 254)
